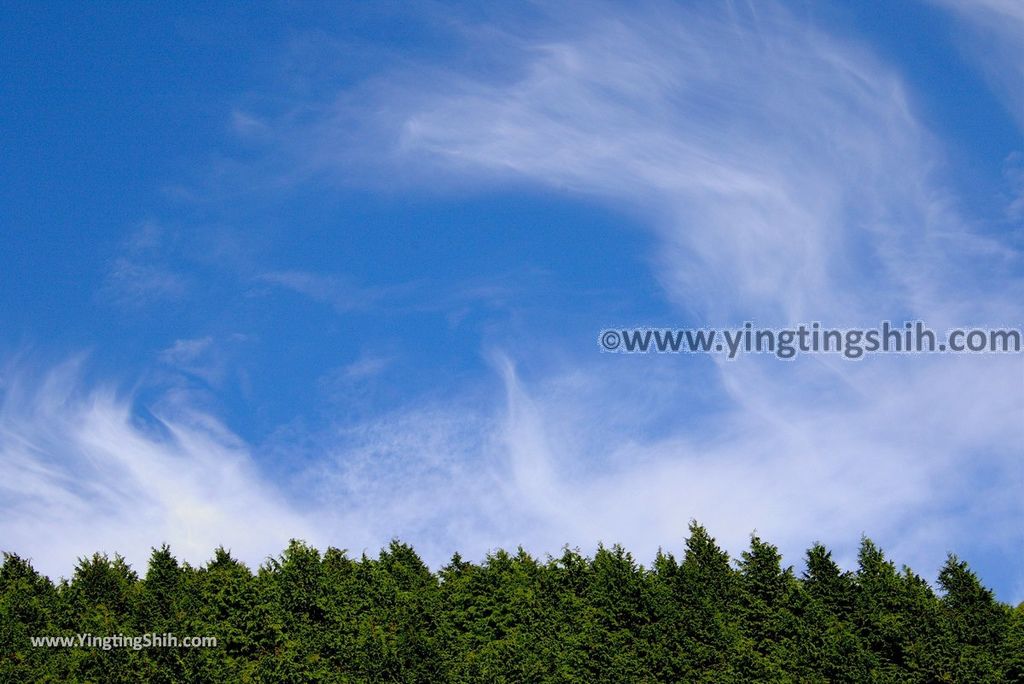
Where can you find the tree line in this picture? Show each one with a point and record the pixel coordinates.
(307, 616)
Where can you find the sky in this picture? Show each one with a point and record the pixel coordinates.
(336, 271)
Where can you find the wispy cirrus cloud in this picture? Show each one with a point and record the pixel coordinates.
(133, 283)
(340, 293)
(81, 474)
(772, 158)
(206, 358)
(785, 177)
(140, 274)
(995, 39)
(788, 179)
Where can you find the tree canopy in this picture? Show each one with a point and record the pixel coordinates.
(703, 617)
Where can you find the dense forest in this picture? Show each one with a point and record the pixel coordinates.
(307, 616)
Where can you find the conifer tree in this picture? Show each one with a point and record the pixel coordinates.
(306, 616)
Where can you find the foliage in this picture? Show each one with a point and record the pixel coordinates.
(311, 617)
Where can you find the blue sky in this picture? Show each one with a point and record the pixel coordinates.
(336, 271)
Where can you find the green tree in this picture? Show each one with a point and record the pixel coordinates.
(306, 616)
(102, 600)
(28, 603)
(831, 647)
(707, 590)
(769, 596)
(978, 624)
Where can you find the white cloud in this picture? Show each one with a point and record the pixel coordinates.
(193, 356)
(783, 167)
(132, 283)
(788, 180)
(338, 292)
(995, 39)
(79, 475)
(542, 469)
(366, 366)
(139, 275)
(786, 177)
(206, 358)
